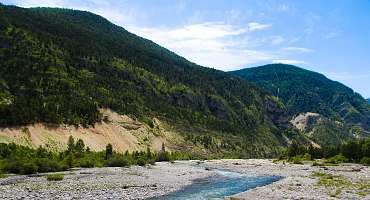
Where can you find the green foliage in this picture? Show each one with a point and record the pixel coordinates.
(306, 91)
(350, 151)
(55, 177)
(337, 159)
(365, 161)
(335, 184)
(61, 66)
(296, 160)
(117, 162)
(24, 160)
(28, 168)
(108, 151)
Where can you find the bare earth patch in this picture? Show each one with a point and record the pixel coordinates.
(123, 132)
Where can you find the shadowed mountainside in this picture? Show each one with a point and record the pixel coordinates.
(61, 66)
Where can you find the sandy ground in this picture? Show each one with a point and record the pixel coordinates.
(123, 132)
(145, 182)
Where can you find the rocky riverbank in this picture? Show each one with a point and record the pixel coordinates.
(300, 182)
(346, 181)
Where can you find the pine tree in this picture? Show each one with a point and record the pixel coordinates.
(70, 144)
(108, 151)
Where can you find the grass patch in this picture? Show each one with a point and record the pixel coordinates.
(298, 159)
(323, 163)
(55, 177)
(3, 175)
(337, 159)
(335, 184)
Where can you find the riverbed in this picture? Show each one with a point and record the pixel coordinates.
(229, 179)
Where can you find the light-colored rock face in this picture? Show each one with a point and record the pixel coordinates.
(123, 132)
(304, 119)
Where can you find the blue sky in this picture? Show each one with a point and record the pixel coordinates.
(331, 37)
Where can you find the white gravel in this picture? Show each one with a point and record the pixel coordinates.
(145, 182)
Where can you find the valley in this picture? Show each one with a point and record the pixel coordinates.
(297, 181)
(90, 110)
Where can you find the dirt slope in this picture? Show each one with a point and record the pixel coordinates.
(123, 132)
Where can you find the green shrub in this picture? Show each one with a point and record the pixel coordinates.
(365, 161)
(337, 159)
(28, 168)
(12, 166)
(297, 160)
(163, 156)
(141, 162)
(315, 163)
(47, 165)
(87, 163)
(117, 162)
(55, 177)
(306, 156)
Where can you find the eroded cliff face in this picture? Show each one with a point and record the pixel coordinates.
(325, 131)
(305, 120)
(123, 132)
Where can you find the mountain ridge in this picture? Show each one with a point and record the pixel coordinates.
(61, 66)
(279, 79)
(304, 91)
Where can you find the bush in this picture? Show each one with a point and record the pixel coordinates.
(337, 159)
(55, 177)
(87, 163)
(315, 163)
(141, 162)
(306, 156)
(47, 165)
(117, 162)
(365, 161)
(28, 168)
(12, 166)
(163, 156)
(297, 160)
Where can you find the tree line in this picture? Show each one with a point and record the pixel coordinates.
(356, 151)
(25, 160)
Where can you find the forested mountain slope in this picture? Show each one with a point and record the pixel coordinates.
(61, 66)
(306, 91)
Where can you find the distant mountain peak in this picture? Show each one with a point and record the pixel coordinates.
(303, 91)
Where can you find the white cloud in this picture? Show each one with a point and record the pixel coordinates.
(255, 26)
(222, 45)
(297, 49)
(276, 40)
(211, 44)
(287, 61)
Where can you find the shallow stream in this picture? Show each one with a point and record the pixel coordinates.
(224, 183)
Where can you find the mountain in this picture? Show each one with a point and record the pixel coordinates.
(368, 100)
(304, 91)
(63, 66)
